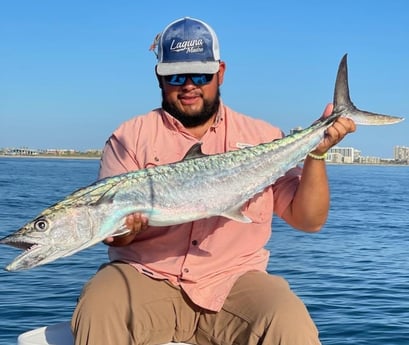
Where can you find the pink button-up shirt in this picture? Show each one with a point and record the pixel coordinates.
(203, 257)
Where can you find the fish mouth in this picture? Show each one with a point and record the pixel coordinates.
(23, 245)
(31, 256)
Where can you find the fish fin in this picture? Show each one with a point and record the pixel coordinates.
(342, 99)
(108, 195)
(194, 152)
(236, 214)
(343, 105)
(106, 198)
(122, 230)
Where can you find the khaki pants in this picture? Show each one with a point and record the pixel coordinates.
(120, 306)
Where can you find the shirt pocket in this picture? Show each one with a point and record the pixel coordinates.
(154, 158)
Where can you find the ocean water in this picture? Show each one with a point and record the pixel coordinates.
(353, 275)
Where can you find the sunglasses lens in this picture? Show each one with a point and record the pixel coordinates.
(180, 79)
(201, 79)
(176, 79)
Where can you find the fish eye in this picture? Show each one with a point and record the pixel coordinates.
(41, 224)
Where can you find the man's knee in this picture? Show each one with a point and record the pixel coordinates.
(268, 305)
(103, 290)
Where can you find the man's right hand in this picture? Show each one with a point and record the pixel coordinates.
(136, 223)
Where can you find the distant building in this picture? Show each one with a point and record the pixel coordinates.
(21, 151)
(401, 154)
(339, 154)
(27, 152)
(349, 155)
(369, 160)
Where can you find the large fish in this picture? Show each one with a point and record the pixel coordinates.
(195, 188)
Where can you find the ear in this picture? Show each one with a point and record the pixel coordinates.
(220, 73)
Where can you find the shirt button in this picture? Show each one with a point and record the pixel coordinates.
(194, 242)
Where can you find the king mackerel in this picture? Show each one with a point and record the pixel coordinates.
(175, 193)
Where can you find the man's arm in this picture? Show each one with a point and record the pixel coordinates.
(309, 208)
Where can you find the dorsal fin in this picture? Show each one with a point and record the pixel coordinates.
(194, 152)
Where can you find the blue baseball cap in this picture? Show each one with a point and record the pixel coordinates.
(188, 45)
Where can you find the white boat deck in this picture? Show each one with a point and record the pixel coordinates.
(58, 334)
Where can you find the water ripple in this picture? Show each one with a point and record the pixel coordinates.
(353, 275)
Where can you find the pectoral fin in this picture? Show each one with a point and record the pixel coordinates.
(122, 230)
(236, 214)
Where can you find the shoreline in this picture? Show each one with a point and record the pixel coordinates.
(49, 157)
(99, 157)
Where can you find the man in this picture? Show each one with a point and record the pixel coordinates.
(203, 282)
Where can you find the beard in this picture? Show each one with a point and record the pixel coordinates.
(210, 107)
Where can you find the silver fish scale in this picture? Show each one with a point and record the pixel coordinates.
(214, 183)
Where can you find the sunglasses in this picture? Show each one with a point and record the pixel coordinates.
(180, 79)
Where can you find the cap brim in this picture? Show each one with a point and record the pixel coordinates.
(208, 67)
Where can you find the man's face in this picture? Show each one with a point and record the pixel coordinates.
(190, 103)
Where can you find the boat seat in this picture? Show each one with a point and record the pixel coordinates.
(58, 334)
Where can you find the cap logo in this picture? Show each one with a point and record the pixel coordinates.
(190, 46)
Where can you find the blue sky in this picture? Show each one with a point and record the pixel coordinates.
(72, 71)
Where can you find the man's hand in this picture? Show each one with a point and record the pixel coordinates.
(334, 134)
(136, 223)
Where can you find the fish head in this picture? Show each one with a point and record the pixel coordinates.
(53, 234)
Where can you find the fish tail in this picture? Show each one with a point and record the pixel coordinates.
(343, 105)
